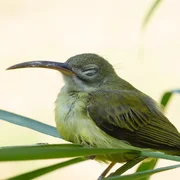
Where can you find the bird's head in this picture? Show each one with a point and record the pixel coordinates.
(84, 72)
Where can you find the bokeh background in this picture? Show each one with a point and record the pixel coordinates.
(58, 29)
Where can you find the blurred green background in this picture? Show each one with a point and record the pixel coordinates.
(59, 29)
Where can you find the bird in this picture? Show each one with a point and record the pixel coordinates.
(97, 108)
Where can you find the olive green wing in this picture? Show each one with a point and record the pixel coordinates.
(133, 117)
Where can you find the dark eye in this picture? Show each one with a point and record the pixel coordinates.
(90, 70)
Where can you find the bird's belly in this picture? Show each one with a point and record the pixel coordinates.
(74, 124)
(71, 119)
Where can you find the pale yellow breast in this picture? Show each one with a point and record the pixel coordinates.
(75, 125)
(70, 115)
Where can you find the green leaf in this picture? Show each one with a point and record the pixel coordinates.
(160, 155)
(167, 96)
(128, 165)
(150, 13)
(147, 164)
(15, 153)
(144, 174)
(29, 123)
(45, 170)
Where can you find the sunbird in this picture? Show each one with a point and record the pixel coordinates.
(97, 108)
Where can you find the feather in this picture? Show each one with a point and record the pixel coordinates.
(133, 117)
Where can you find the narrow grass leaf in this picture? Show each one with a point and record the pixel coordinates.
(147, 164)
(167, 96)
(29, 123)
(41, 171)
(140, 175)
(160, 155)
(125, 167)
(149, 14)
(55, 151)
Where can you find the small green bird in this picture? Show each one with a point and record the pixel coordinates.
(97, 108)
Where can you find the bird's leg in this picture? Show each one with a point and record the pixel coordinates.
(104, 173)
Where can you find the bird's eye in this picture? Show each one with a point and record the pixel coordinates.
(90, 70)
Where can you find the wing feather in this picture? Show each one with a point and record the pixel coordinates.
(133, 117)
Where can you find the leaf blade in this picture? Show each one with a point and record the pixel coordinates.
(140, 175)
(29, 123)
(150, 13)
(36, 152)
(125, 167)
(147, 164)
(45, 170)
(160, 155)
(167, 96)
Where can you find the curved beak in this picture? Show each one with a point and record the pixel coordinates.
(62, 67)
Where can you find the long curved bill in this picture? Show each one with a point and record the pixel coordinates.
(62, 67)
